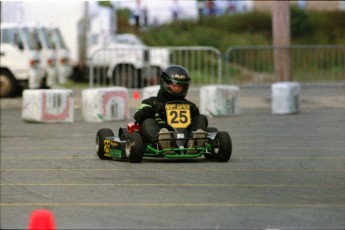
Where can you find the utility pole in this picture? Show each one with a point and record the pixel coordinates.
(281, 40)
(83, 27)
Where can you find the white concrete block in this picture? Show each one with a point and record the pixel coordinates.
(285, 97)
(51, 105)
(150, 91)
(219, 100)
(105, 104)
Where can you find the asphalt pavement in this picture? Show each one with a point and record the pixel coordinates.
(286, 172)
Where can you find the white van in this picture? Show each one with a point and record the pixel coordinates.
(47, 53)
(62, 54)
(126, 59)
(19, 60)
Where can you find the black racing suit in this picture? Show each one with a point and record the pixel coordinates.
(151, 115)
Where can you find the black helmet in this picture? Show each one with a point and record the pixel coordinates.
(175, 76)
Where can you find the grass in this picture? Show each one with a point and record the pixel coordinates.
(252, 29)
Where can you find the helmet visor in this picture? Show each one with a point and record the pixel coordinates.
(177, 88)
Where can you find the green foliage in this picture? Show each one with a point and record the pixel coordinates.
(330, 27)
(253, 28)
(105, 4)
(300, 23)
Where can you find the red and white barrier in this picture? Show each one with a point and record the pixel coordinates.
(105, 104)
(52, 105)
(219, 100)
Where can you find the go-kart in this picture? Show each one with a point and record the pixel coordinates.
(131, 145)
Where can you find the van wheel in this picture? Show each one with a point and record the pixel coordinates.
(124, 76)
(8, 84)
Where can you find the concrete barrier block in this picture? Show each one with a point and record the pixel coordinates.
(105, 104)
(220, 100)
(285, 97)
(52, 105)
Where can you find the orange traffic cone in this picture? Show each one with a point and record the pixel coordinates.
(41, 219)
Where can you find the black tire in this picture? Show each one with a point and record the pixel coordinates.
(123, 132)
(124, 75)
(100, 137)
(8, 84)
(222, 147)
(99, 75)
(210, 156)
(135, 147)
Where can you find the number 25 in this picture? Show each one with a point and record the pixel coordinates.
(179, 117)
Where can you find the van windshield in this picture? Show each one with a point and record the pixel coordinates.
(7, 35)
(29, 39)
(57, 39)
(18, 36)
(46, 38)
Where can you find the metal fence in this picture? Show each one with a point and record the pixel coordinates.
(308, 64)
(244, 65)
(139, 67)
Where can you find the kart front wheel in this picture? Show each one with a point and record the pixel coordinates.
(100, 137)
(210, 156)
(222, 147)
(135, 147)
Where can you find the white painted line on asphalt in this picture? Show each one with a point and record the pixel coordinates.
(173, 169)
(328, 186)
(47, 148)
(127, 204)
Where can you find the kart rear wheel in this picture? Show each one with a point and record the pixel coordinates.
(135, 148)
(222, 147)
(100, 137)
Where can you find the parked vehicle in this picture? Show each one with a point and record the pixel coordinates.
(77, 19)
(47, 54)
(19, 60)
(126, 60)
(62, 54)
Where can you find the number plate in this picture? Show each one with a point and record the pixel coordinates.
(178, 115)
(107, 148)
